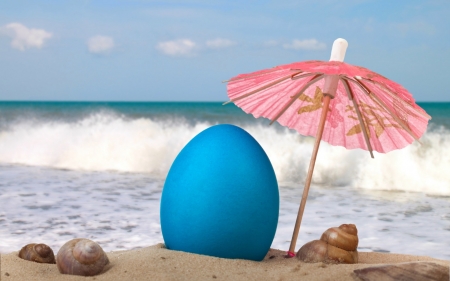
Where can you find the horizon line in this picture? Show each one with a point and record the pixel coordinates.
(162, 101)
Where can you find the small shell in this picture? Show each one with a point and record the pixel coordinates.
(337, 245)
(81, 257)
(320, 251)
(344, 237)
(38, 253)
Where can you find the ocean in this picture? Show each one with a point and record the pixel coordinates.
(96, 170)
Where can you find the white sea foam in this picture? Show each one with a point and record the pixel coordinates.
(120, 211)
(97, 143)
(105, 141)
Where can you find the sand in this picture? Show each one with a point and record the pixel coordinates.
(158, 263)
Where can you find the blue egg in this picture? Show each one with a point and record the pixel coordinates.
(221, 197)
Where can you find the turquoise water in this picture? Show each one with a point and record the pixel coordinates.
(190, 111)
(439, 111)
(96, 170)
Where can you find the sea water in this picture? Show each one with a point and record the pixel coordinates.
(96, 170)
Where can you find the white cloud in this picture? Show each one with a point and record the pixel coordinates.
(180, 47)
(100, 44)
(219, 43)
(24, 37)
(306, 44)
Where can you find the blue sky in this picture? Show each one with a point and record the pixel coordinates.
(182, 50)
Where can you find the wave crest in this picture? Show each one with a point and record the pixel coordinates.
(106, 141)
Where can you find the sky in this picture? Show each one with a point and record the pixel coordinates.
(143, 50)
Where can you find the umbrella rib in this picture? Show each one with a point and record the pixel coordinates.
(358, 113)
(404, 126)
(261, 88)
(303, 75)
(393, 94)
(400, 122)
(313, 80)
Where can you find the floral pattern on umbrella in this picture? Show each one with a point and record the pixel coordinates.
(292, 95)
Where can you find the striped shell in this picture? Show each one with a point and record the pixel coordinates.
(337, 245)
(81, 257)
(40, 253)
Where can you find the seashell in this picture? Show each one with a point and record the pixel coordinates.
(344, 237)
(404, 271)
(336, 245)
(81, 257)
(38, 253)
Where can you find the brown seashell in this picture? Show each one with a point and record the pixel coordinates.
(320, 251)
(38, 253)
(81, 257)
(404, 271)
(337, 245)
(349, 228)
(344, 237)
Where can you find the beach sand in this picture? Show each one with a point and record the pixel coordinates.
(158, 263)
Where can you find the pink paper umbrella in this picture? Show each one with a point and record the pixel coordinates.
(336, 102)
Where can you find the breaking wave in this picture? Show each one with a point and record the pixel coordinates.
(106, 141)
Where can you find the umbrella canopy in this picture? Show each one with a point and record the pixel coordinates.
(368, 111)
(336, 102)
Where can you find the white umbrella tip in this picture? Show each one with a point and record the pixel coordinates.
(338, 50)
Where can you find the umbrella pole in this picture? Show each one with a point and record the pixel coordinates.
(326, 102)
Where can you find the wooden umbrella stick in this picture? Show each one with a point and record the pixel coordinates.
(323, 117)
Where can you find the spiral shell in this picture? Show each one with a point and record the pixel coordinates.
(38, 253)
(81, 257)
(337, 245)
